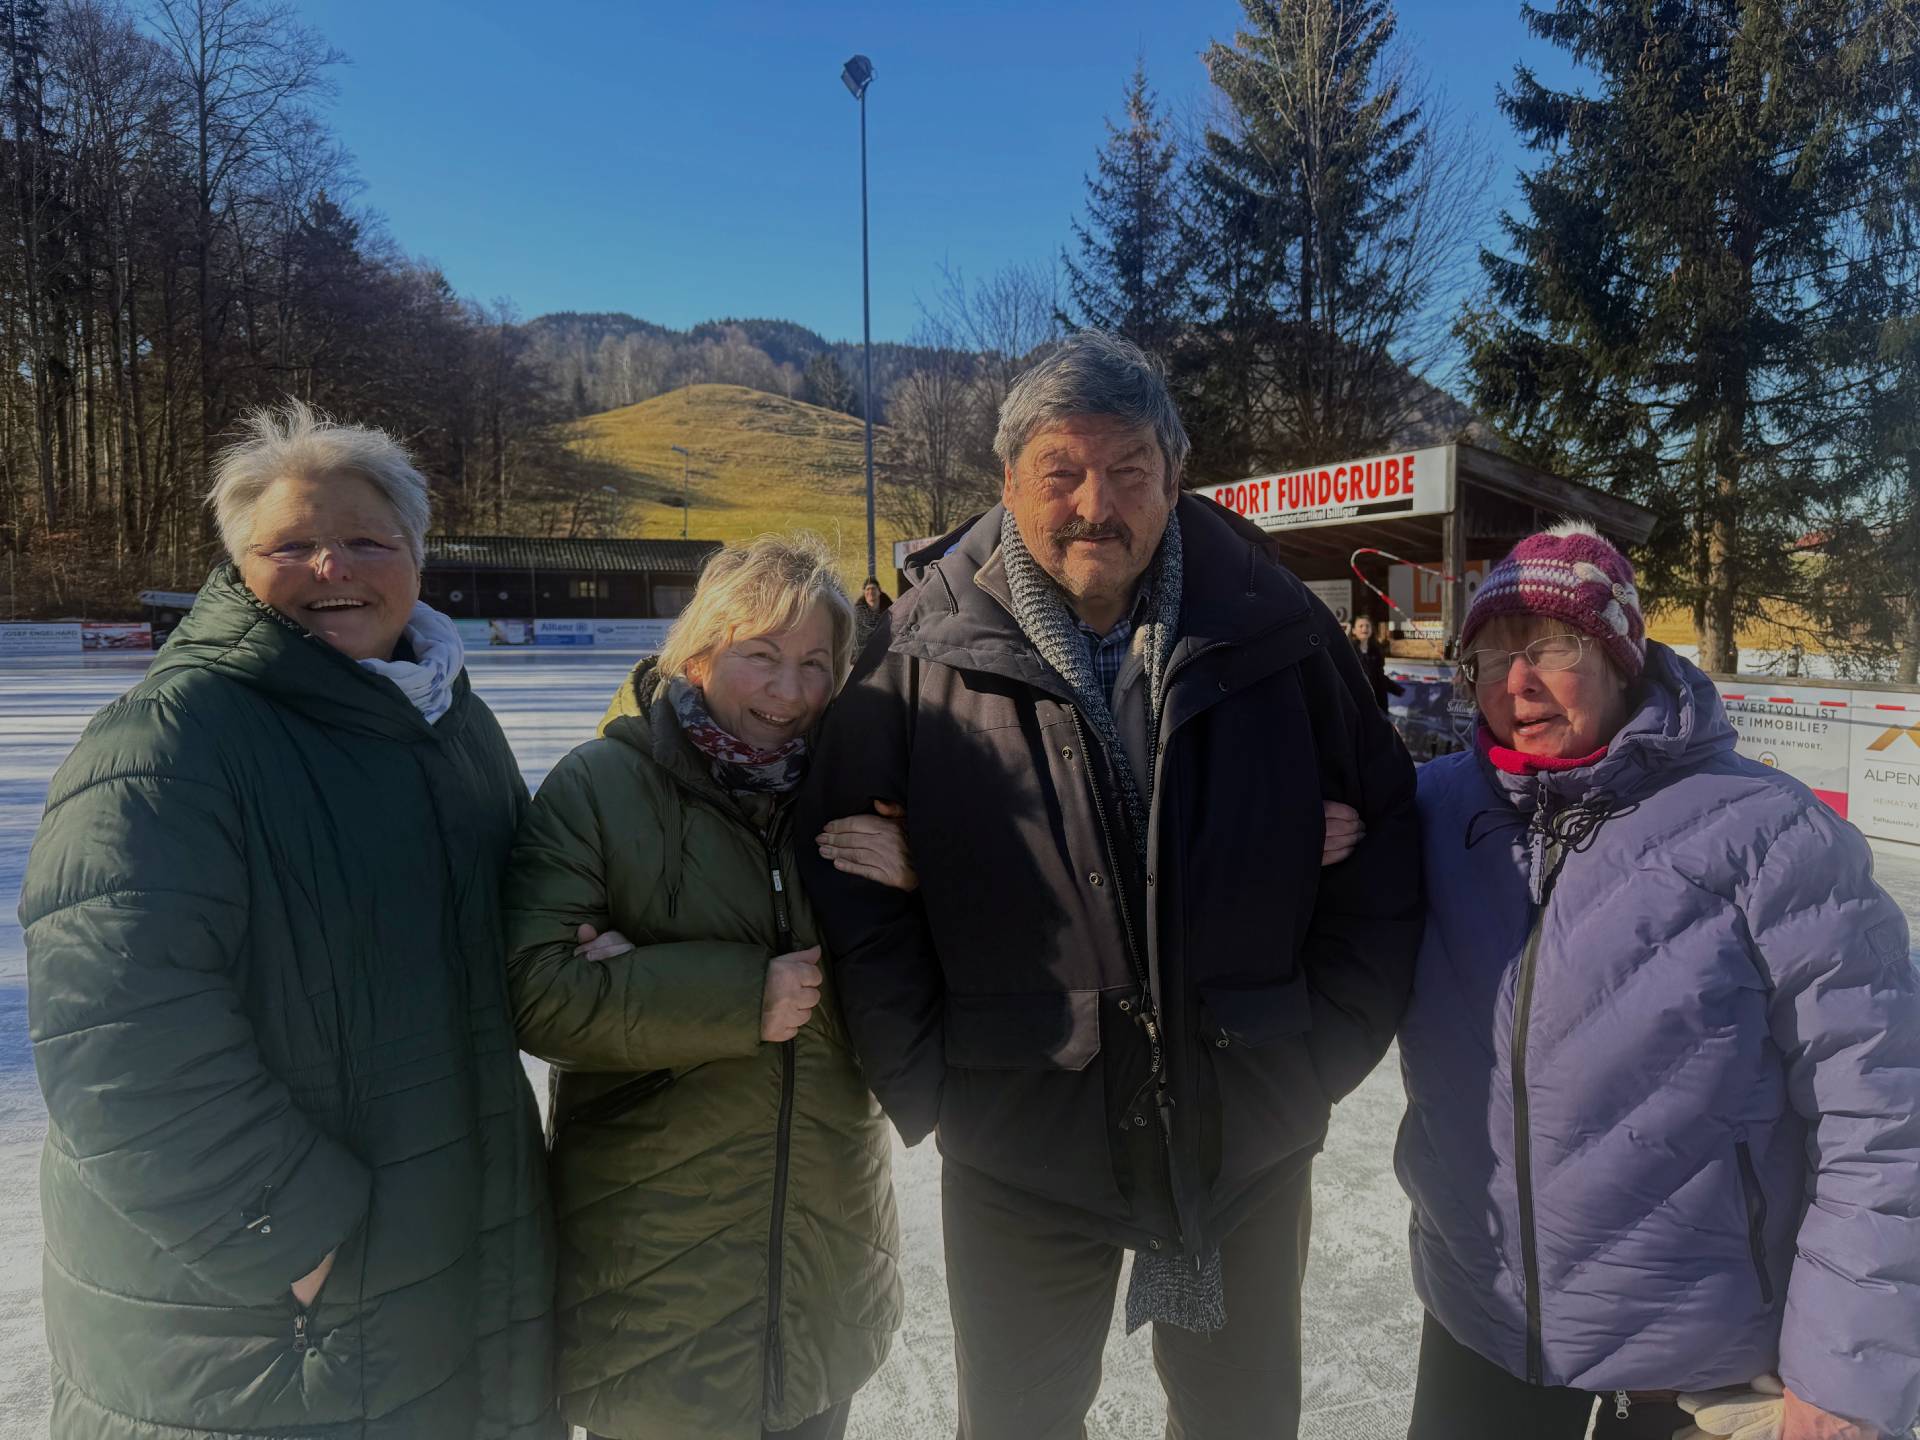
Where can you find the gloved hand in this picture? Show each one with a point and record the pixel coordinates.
(1741, 1412)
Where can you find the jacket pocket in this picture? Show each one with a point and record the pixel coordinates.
(1058, 1031)
(1254, 1015)
(1024, 1101)
(1260, 1099)
(1756, 1204)
(612, 1103)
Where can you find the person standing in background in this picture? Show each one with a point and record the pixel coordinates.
(867, 610)
(1373, 659)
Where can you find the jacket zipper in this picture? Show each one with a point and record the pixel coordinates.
(1147, 1012)
(1756, 1202)
(1523, 1151)
(303, 1317)
(1522, 1145)
(775, 1369)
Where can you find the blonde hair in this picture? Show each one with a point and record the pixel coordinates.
(760, 588)
(295, 439)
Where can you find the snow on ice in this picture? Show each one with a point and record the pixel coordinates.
(1362, 1320)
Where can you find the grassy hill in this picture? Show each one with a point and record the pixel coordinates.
(760, 462)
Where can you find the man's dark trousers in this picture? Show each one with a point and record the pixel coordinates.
(1032, 1302)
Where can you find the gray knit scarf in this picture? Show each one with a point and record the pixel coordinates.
(1177, 1290)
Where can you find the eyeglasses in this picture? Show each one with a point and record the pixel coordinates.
(1548, 653)
(306, 550)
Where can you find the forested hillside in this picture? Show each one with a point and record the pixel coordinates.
(178, 243)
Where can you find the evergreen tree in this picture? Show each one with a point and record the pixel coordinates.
(825, 384)
(1329, 212)
(1864, 552)
(1131, 276)
(1678, 313)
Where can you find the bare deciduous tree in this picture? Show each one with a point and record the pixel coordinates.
(933, 477)
(245, 66)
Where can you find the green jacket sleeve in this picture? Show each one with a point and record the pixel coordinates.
(135, 912)
(657, 1007)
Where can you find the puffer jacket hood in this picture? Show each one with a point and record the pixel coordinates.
(728, 1241)
(268, 1000)
(1679, 725)
(1663, 1070)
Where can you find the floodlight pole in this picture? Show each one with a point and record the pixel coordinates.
(686, 502)
(857, 75)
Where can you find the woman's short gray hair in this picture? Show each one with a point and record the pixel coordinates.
(1092, 373)
(295, 439)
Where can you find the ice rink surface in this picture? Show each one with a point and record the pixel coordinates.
(1362, 1320)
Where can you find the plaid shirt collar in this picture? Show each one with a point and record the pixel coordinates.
(1109, 651)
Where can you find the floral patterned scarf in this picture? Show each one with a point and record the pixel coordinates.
(737, 766)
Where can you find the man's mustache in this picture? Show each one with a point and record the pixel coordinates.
(1088, 530)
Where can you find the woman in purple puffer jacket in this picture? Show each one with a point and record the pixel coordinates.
(1662, 1059)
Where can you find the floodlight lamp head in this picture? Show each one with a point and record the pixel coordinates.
(856, 75)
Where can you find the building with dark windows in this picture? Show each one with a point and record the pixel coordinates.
(485, 577)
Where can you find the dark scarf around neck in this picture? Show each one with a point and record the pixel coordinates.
(1048, 623)
(737, 766)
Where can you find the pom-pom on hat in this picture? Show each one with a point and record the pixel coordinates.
(1571, 573)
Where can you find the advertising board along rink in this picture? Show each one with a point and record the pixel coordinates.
(1856, 747)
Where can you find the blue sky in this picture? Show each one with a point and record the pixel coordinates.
(684, 161)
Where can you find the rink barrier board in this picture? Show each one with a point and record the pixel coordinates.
(57, 638)
(1857, 747)
(73, 637)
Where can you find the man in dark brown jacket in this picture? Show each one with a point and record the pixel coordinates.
(1126, 993)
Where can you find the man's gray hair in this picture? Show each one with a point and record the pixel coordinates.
(294, 439)
(1092, 372)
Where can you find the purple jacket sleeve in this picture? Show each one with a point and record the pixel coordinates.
(1846, 1015)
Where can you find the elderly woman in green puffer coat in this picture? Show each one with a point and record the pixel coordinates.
(292, 1179)
(728, 1244)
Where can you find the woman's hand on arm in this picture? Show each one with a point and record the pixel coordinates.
(600, 945)
(591, 1000)
(873, 847)
(1345, 830)
(793, 989)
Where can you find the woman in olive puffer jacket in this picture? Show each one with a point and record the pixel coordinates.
(728, 1244)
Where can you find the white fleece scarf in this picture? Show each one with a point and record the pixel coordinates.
(438, 656)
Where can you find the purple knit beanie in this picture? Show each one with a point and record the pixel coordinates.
(1572, 574)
